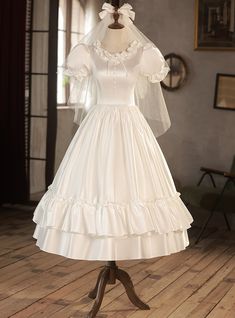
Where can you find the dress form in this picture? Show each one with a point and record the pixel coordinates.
(116, 40)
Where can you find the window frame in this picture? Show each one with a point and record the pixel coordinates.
(68, 45)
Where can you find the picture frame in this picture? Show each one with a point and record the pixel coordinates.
(214, 25)
(225, 91)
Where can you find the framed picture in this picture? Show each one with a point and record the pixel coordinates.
(225, 91)
(214, 25)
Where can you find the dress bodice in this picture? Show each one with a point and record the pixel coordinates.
(123, 78)
(116, 73)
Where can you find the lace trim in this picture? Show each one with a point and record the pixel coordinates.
(123, 55)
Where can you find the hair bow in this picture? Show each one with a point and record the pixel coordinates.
(125, 9)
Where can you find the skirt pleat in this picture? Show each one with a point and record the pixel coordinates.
(113, 196)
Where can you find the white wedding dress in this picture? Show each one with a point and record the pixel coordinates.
(113, 196)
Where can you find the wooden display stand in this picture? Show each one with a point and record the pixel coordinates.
(108, 275)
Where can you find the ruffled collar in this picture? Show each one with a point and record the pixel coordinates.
(123, 55)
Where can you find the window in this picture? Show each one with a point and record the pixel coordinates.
(71, 25)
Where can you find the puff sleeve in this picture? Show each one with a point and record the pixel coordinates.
(153, 65)
(78, 64)
(78, 68)
(148, 93)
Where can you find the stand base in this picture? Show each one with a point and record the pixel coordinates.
(108, 275)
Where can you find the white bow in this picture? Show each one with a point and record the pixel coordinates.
(125, 9)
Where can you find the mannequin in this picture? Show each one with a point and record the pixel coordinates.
(116, 40)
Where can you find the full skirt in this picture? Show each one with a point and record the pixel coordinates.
(113, 196)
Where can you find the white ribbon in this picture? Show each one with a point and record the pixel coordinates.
(125, 9)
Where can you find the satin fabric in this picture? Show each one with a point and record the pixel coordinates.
(144, 67)
(113, 196)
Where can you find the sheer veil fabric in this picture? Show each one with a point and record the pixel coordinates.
(148, 92)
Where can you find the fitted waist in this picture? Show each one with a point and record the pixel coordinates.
(115, 105)
(115, 95)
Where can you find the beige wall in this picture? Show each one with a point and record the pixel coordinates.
(199, 135)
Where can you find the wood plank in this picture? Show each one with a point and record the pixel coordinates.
(37, 262)
(56, 300)
(41, 288)
(167, 299)
(16, 240)
(230, 313)
(205, 298)
(180, 292)
(12, 256)
(225, 305)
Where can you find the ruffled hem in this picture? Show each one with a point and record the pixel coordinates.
(111, 219)
(79, 246)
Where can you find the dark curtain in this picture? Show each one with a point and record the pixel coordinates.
(13, 172)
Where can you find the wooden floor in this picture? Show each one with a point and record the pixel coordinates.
(197, 282)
